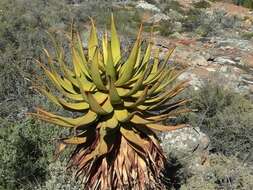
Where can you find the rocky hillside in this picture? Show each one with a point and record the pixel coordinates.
(212, 39)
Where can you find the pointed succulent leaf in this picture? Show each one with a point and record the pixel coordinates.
(93, 41)
(137, 86)
(94, 105)
(128, 67)
(141, 98)
(113, 93)
(105, 47)
(74, 105)
(170, 114)
(95, 74)
(159, 127)
(109, 67)
(74, 140)
(58, 86)
(121, 114)
(107, 106)
(88, 118)
(79, 62)
(115, 43)
(112, 122)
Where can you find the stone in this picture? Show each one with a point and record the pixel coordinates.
(176, 35)
(174, 15)
(158, 17)
(188, 143)
(224, 69)
(147, 6)
(177, 26)
(224, 60)
(198, 60)
(195, 81)
(247, 24)
(237, 59)
(187, 139)
(206, 55)
(210, 69)
(247, 60)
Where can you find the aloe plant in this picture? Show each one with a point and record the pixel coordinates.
(122, 102)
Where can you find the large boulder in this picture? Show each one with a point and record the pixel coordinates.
(189, 146)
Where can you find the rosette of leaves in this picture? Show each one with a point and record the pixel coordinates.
(122, 101)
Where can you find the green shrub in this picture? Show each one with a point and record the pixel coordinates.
(167, 5)
(22, 36)
(192, 19)
(26, 150)
(226, 117)
(222, 173)
(59, 179)
(209, 23)
(247, 35)
(245, 3)
(202, 5)
(166, 28)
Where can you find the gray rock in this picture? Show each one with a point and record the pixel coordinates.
(224, 60)
(195, 81)
(187, 140)
(224, 69)
(174, 15)
(237, 59)
(210, 69)
(243, 45)
(176, 35)
(206, 55)
(147, 6)
(190, 146)
(158, 17)
(177, 26)
(198, 60)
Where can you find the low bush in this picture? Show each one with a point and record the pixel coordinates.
(226, 117)
(245, 3)
(165, 28)
(59, 179)
(247, 35)
(222, 173)
(202, 5)
(168, 5)
(26, 150)
(209, 23)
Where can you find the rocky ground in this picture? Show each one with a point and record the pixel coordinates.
(223, 52)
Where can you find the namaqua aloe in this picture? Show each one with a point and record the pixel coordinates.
(121, 101)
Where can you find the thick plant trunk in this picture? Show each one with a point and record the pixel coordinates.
(124, 167)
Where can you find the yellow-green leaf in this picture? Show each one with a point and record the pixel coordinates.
(115, 42)
(121, 114)
(159, 127)
(95, 74)
(93, 41)
(109, 67)
(114, 96)
(94, 105)
(74, 140)
(127, 69)
(105, 47)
